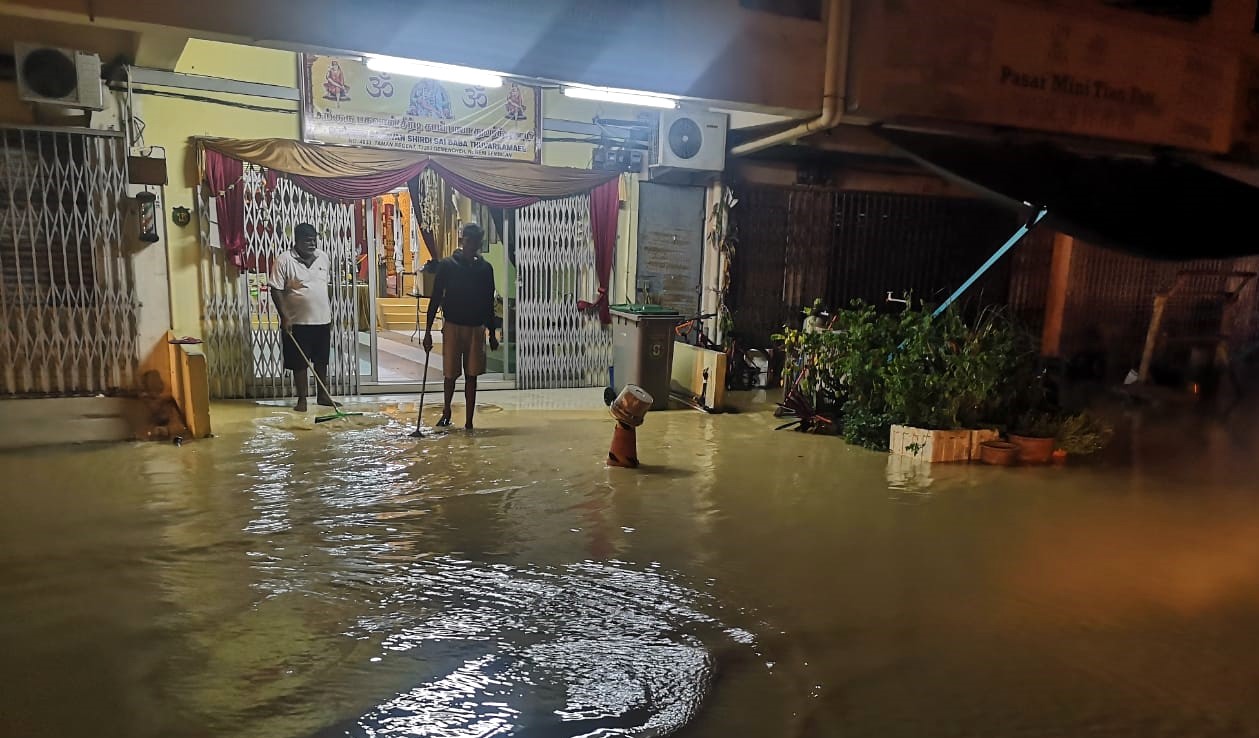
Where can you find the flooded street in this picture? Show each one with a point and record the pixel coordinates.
(287, 580)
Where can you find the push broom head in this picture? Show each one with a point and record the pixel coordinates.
(334, 416)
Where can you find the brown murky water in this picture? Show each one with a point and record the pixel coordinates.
(346, 579)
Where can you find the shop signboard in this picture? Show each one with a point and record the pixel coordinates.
(344, 102)
(1008, 64)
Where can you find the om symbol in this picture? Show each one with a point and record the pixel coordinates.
(380, 85)
(475, 97)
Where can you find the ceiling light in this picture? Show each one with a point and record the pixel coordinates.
(624, 97)
(429, 70)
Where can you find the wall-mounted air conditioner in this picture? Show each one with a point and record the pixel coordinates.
(54, 76)
(689, 145)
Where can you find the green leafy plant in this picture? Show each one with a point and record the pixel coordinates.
(1033, 424)
(723, 236)
(911, 368)
(1084, 434)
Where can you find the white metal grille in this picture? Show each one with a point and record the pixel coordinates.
(558, 345)
(242, 331)
(67, 304)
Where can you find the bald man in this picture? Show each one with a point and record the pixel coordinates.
(298, 284)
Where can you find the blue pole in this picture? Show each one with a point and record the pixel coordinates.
(1009, 244)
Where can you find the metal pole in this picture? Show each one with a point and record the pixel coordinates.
(1009, 244)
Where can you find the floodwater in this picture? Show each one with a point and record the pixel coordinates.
(290, 580)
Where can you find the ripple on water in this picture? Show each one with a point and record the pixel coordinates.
(590, 649)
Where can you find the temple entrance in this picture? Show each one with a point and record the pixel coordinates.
(397, 287)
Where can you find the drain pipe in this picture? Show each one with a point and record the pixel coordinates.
(834, 85)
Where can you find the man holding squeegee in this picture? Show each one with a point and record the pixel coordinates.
(464, 292)
(298, 284)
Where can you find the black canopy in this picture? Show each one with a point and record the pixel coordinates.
(1153, 206)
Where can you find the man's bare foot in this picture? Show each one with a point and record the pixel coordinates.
(468, 427)
(444, 422)
(300, 406)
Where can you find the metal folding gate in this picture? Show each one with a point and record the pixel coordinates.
(797, 244)
(557, 344)
(67, 290)
(241, 329)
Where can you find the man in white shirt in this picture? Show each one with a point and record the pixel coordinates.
(299, 288)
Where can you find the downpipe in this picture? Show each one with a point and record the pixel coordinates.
(834, 84)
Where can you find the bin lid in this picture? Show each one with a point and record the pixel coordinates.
(641, 309)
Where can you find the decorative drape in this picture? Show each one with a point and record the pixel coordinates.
(422, 200)
(351, 174)
(224, 176)
(348, 189)
(605, 201)
(345, 173)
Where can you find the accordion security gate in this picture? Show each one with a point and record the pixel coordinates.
(558, 345)
(242, 331)
(68, 310)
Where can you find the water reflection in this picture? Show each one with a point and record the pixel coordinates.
(568, 651)
(287, 580)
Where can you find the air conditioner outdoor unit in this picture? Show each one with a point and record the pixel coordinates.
(64, 77)
(689, 146)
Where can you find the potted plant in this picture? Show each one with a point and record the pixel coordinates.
(1036, 435)
(999, 453)
(912, 382)
(1082, 435)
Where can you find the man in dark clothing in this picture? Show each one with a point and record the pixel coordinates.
(464, 292)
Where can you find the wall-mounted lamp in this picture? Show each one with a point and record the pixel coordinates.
(147, 207)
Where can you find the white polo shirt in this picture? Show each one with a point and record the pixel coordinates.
(305, 288)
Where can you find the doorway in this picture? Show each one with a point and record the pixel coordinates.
(397, 287)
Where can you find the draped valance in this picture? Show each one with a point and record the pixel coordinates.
(346, 173)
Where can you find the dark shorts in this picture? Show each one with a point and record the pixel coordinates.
(314, 341)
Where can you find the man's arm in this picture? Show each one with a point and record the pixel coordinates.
(277, 299)
(275, 285)
(489, 320)
(434, 304)
(489, 292)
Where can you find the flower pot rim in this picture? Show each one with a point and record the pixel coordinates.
(1003, 445)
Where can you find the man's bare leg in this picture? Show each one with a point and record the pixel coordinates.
(449, 387)
(469, 397)
(321, 371)
(302, 382)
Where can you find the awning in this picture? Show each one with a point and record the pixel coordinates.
(1151, 206)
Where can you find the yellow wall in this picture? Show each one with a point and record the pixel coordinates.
(170, 123)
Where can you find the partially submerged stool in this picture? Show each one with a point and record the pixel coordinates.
(629, 408)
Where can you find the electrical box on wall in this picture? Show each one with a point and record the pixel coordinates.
(55, 76)
(689, 147)
(618, 159)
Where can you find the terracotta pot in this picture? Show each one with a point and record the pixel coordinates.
(1033, 450)
(1060, 456)
(998, 453)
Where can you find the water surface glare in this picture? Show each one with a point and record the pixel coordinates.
(289, 580)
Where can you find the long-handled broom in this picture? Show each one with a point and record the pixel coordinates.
(419, 415)
(336, 407)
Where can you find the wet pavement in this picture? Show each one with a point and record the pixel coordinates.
(287, 579)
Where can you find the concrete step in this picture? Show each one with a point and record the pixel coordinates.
(408, 302)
